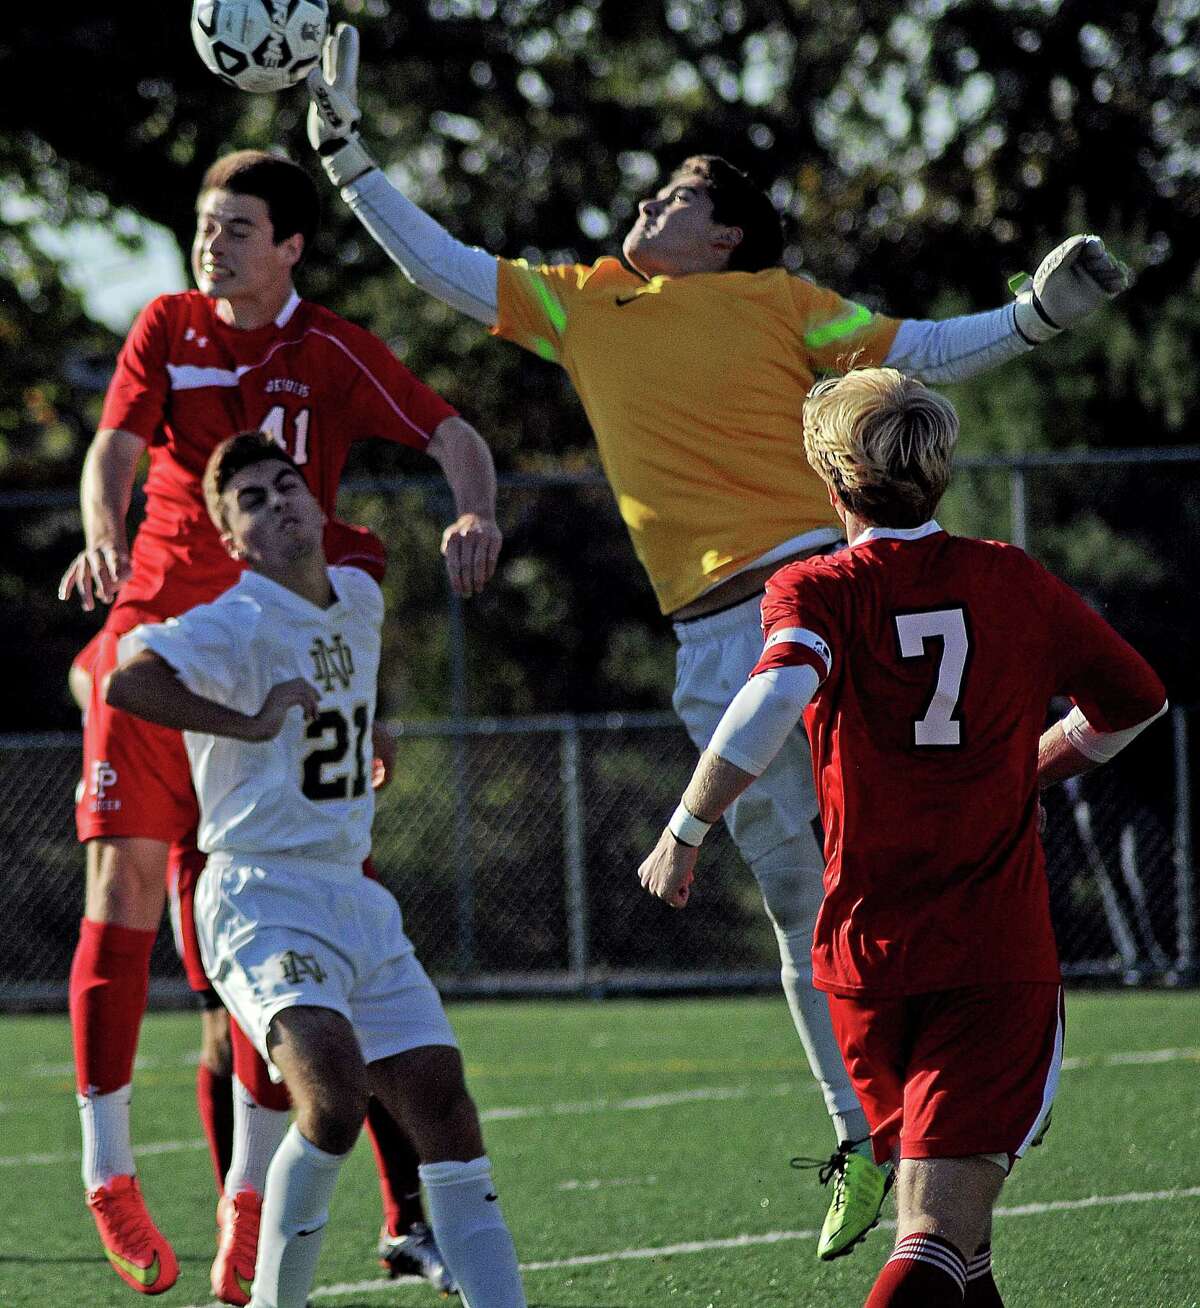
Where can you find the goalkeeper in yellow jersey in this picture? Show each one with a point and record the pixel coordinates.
(692, 359)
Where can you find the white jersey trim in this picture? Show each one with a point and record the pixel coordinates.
(189, 377)
(285, 314)
(930, 528)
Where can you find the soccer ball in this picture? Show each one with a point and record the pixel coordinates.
(260, 45)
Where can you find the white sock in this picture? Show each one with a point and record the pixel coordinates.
(257, 1133)
(107, 1152)
(299, 1186)
(470, 1231)
(851, 1128)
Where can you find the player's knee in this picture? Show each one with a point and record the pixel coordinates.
(126, 881)
(791, 885)
(331, 1117)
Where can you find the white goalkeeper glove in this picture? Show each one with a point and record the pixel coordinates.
(333, 112)
(1072, 281)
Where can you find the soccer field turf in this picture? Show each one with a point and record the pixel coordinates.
(641, 1151)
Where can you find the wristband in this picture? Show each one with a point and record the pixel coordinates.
(687, 828)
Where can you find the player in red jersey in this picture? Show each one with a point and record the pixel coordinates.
(242, 351)
(923, 665)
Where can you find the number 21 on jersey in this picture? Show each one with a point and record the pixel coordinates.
(940, 724)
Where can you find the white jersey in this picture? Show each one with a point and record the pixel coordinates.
(307, 793)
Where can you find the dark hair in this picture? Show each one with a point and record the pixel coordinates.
(738, 202)
(284, 187)
(244, 450)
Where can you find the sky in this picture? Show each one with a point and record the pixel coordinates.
(115, 282)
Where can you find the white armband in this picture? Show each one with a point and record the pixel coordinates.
(687, 828)
(762, 716)
(1100, 746)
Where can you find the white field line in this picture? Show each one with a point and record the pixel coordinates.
(704, 1094)
(765, 1238)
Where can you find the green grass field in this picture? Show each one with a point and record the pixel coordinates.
(641, 1151)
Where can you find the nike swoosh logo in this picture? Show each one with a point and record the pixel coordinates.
(490, 1198)
(301, 1234)
(142, 1275)
(622, 300)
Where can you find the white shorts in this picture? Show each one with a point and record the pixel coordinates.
(716, 655)
(283, 933)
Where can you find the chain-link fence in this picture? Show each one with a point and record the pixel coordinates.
(512, 843)
(512, 846)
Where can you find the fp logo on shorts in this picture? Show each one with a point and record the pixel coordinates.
(104, 779)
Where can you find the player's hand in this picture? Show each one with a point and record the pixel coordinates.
(96, 574)
(333, 112)
(1072, 281)
(267, 723)
(383, 748)
(471, 546)
(669, 871)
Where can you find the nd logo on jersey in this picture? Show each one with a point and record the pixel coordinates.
(332, 663)
(296, 967)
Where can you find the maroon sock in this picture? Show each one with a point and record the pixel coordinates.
(110, 975)
(397, 1161)
(982, 1291)
(251, 1070)
(214, 1099)
(924, 1271)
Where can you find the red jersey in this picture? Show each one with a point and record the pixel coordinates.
(185, 381)
(938, 657)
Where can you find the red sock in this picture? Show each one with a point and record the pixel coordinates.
(110, 975)
(214, 1099)
(251, 1070)
(399, 1184)
(982, 1291)
(924, 1271)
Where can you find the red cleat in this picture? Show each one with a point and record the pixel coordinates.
(137, 1249)
(237, 1248)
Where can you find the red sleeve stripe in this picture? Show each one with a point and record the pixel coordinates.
(789, 655)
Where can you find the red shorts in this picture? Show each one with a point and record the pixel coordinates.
(184, 866)
(954, 1073)
(136, 780)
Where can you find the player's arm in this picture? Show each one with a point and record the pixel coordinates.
(461, 275)
(760, 718)
(147, 686)
(1071, 283)
(471, 543)
(1073, 746)
(1117, 694)
(105, 490)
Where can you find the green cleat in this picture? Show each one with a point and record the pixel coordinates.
(859, 1188)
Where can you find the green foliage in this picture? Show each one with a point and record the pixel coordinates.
(920, 151)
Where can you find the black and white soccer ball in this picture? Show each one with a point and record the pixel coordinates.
(260, 45)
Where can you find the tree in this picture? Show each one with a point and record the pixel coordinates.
(922, 151)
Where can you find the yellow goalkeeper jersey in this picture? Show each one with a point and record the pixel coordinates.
(693, 386)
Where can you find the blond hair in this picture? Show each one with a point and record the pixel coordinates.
(882, 442)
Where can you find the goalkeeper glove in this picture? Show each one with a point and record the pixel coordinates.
(1072, 281)
(333, 113)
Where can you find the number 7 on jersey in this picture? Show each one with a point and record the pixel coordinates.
(940, 724)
